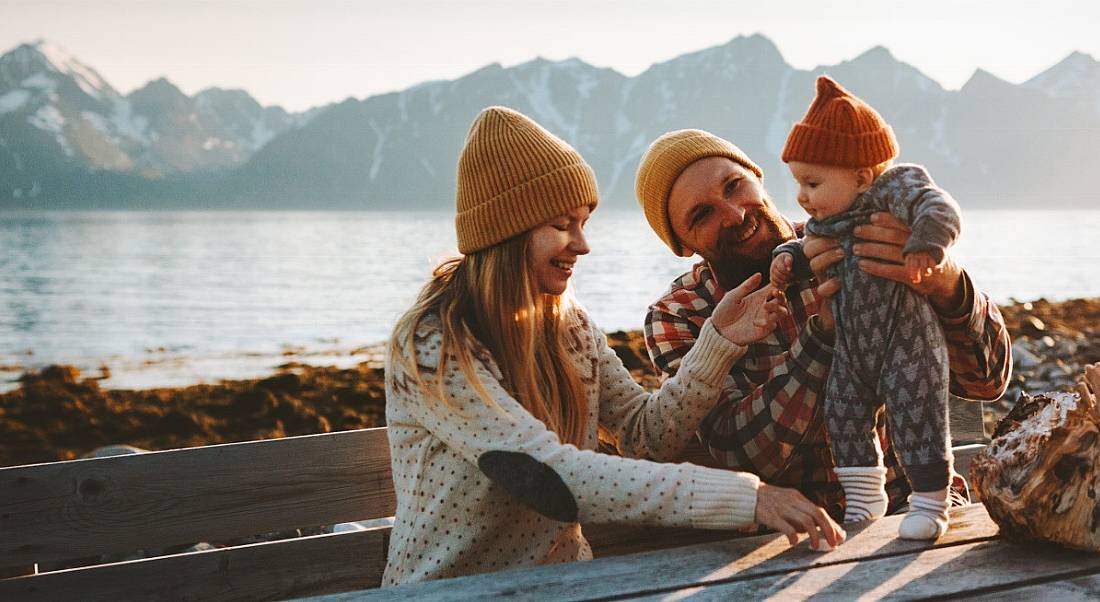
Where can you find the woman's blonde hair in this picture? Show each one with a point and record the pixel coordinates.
(490, 298)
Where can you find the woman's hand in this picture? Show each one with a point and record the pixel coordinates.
(744, 316)
(790, 513)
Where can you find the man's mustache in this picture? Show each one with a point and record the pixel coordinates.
(731, 239)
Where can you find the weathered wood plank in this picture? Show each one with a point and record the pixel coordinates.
(616, 540)
(967, 423)
(963, 455)
(953, 571)
(685, 567)
(266, 571)
(1080, 589)
(66, 510)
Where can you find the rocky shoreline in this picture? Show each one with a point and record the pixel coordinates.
(56, 414)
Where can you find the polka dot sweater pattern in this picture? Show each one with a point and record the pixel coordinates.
(453, 520)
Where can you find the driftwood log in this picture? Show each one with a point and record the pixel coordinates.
(1040, 476)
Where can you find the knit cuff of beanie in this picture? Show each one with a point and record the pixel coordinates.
(810, 144)
(721, 499)
(526, 206)
(709, 360)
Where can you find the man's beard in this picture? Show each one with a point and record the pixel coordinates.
(736, 260)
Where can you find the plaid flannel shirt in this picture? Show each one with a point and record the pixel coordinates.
(768, 420)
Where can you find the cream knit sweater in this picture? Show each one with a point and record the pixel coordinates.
(453, 520)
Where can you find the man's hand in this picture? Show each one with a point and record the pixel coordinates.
(782, 271)
(882, 242)
(790, 513)
(744, 316)
(822, 253)
(880, 245)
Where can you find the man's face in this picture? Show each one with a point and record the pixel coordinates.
(719, 210)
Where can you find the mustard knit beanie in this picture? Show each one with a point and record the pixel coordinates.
(665, 160)
(840, 129)
(514, 175)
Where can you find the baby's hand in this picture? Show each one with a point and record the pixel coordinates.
(782, 271)
(918, 265)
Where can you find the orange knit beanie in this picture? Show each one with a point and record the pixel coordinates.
(840, 129)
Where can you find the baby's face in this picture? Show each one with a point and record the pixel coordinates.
(825, 190)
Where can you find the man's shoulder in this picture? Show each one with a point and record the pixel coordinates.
(685, 290)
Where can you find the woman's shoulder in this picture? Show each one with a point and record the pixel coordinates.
(426, 341)
(580, 324)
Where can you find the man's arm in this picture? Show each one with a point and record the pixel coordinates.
(752, 428)
(979, 348)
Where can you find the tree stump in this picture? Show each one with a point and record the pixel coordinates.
(1040, 476)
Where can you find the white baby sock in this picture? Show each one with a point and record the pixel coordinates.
(865, 491)
(926, 519)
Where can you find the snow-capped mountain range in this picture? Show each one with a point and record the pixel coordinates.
(67, 139)
(59, 120)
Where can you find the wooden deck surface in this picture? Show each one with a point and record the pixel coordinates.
(970, 560)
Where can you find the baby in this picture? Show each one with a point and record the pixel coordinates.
(890, 350)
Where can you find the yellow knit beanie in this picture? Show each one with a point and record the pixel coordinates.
(665, 160)
(514, 175)
(840, 129)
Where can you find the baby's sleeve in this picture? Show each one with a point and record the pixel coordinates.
(801, 265)
(934, 217)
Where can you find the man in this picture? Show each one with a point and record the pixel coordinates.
(702, 195)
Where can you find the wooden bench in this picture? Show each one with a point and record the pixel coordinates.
(53, 513)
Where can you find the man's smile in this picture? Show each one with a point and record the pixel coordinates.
(747, 229)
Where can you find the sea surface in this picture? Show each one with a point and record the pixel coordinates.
(172, 298)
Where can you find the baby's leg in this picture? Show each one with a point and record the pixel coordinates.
(850, 410)
(914, 385)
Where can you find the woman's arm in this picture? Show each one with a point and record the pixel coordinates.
(519, 454)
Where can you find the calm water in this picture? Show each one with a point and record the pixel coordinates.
(173, 298)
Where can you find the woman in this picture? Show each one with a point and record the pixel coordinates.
(496, 384)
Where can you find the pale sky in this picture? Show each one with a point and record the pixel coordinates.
(304, 53)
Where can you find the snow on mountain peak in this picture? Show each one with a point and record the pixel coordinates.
(62, 61)
(1075, 75)
(41, 58)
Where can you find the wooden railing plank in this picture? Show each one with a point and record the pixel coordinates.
(266, 571)
(65, 510)
(684, 567)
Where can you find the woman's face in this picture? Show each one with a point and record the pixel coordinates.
(554, 248)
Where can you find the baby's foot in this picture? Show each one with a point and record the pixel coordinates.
(864, 491)
(927, 517)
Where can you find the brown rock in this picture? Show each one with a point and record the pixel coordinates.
(1032, 326)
